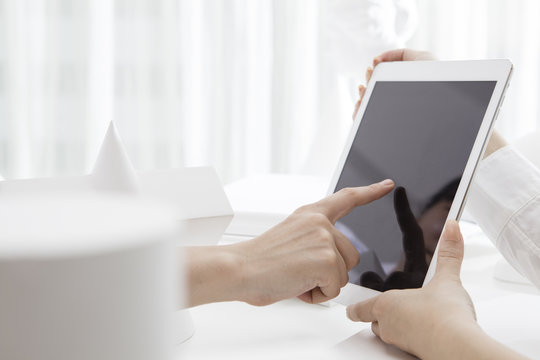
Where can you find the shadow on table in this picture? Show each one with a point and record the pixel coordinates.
(365, 345)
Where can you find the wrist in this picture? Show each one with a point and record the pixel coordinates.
(450, 339)
(495, 143)
(215, 274)
(447, 340)
(250, 274)
(458, 339)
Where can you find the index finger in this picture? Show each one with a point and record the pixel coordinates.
(345, 200)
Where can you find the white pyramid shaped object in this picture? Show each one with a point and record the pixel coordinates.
(113, 170)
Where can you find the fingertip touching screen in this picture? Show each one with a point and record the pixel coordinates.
(419, 134)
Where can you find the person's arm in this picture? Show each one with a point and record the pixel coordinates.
(304, 256)
(437, 321)
(504, 200)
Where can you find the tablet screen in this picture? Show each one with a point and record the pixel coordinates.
(419, 134)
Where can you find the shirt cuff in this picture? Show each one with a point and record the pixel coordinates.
(504, 183)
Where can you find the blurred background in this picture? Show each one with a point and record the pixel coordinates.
(242, 85)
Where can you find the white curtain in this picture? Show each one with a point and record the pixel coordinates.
(480, 29)
(245, 86)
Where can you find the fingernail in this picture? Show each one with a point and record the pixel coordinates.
(387, 182)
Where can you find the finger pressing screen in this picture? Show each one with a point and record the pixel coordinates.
(344, 201)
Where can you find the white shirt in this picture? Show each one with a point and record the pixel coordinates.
(505, 202)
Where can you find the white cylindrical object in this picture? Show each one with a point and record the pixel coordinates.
(86, 277)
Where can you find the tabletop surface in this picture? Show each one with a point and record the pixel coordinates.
(291, 329)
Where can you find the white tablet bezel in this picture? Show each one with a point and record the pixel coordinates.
(473, 70)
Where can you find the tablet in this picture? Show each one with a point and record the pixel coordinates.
(425, 125)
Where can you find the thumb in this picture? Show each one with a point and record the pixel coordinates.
(450, 253)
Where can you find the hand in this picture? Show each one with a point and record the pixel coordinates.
(437, 321)
(496, 141)
(416, 266)
(304, 256)
(415, 320)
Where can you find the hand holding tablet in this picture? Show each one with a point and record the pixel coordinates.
(423, 124)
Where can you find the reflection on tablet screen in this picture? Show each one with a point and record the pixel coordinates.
(420, 134)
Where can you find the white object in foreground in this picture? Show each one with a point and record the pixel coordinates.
(86, 277)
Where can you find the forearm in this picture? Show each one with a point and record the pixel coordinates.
(213, 274)
(468, 342)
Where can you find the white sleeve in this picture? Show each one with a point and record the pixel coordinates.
(504, 200)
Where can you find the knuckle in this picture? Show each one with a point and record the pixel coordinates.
(330, 258)
(371, 190)
(448, 253)
(303, 209)
(318, 219)
(348, 191)
(324, 237)
(333, 292)
(384, 302)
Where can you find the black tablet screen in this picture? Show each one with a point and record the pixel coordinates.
(419, 134)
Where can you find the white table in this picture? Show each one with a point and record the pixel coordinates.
(291, 329)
